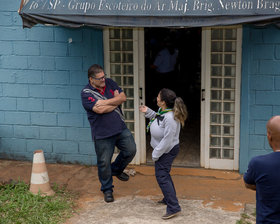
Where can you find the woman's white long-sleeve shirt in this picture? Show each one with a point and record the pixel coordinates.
(165, 135)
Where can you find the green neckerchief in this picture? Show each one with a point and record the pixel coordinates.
(160, 112)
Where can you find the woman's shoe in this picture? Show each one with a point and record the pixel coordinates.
(170, 215)
(162, 202)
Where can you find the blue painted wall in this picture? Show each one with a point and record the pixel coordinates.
(41, 76)
(260, 89)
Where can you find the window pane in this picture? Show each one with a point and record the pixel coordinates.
(128, 92)
(216, 83)
(228, 154)
(230, 59)
(230, 46)
(115, 57)
(229, 95)
(217, 34)
(217, 46)
(215, 130)
(115, 69)
(127, 46)
(229, 107)
(230, 70)
(127, 34)
(222, 93)
(216, 71)
(230, 34)
(228, 130)
(216, 107)
(115, 45)
(228, 119)
(128, 104)
(216, 58)
(128, 81)
(215, 141)
(215, 118)
(130, 126)
(128, 69)
(228, 142)
(229, 83)
(216, 95)
(129, 115)
(215, 153)
(115, 33)
(121, 68)
(127, 57)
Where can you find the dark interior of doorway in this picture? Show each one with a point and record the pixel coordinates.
(187, 79)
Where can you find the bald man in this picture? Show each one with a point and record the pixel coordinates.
(263, 176)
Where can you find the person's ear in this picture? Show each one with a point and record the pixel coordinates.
(269, 137)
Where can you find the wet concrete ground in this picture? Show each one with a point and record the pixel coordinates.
(206, 196)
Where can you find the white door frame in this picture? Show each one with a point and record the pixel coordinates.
(205, 159)
(139, 97)
(139, 88)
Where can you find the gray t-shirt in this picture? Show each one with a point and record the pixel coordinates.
(165, 135)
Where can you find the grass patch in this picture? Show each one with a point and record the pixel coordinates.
(19, 206)
(247, 218)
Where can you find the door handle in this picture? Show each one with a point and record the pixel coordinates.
(202, 94)
(141, 93)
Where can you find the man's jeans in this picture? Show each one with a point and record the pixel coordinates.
(104, 149)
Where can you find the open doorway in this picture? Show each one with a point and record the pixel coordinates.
(185, 81)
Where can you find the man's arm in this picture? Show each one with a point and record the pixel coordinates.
(102, 109)
(118, 99)
(249, 177)
(106, 106)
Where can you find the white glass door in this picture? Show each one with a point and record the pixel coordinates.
(221, 60)
(123, 61)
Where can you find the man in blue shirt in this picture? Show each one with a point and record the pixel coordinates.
(101, 99)
(165, 65)
(263, 176)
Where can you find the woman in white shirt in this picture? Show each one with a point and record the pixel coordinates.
(165, 128)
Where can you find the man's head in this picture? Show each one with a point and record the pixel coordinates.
(96, 76)
(273, 132)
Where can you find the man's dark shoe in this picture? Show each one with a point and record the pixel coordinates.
(123, 177)
(162, 202)
(108, 196)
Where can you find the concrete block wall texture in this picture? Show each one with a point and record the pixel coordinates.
(260, 89)
(41, 76)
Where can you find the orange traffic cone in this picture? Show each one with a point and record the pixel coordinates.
(39, 176)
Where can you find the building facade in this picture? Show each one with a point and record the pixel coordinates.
(43, 69)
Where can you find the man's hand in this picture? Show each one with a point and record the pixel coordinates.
(99, 103)
(250, 186)
(116, 93)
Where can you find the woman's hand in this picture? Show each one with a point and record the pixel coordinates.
(143, 108)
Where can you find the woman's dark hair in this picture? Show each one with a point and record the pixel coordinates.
(176, 103)
(94, 69)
